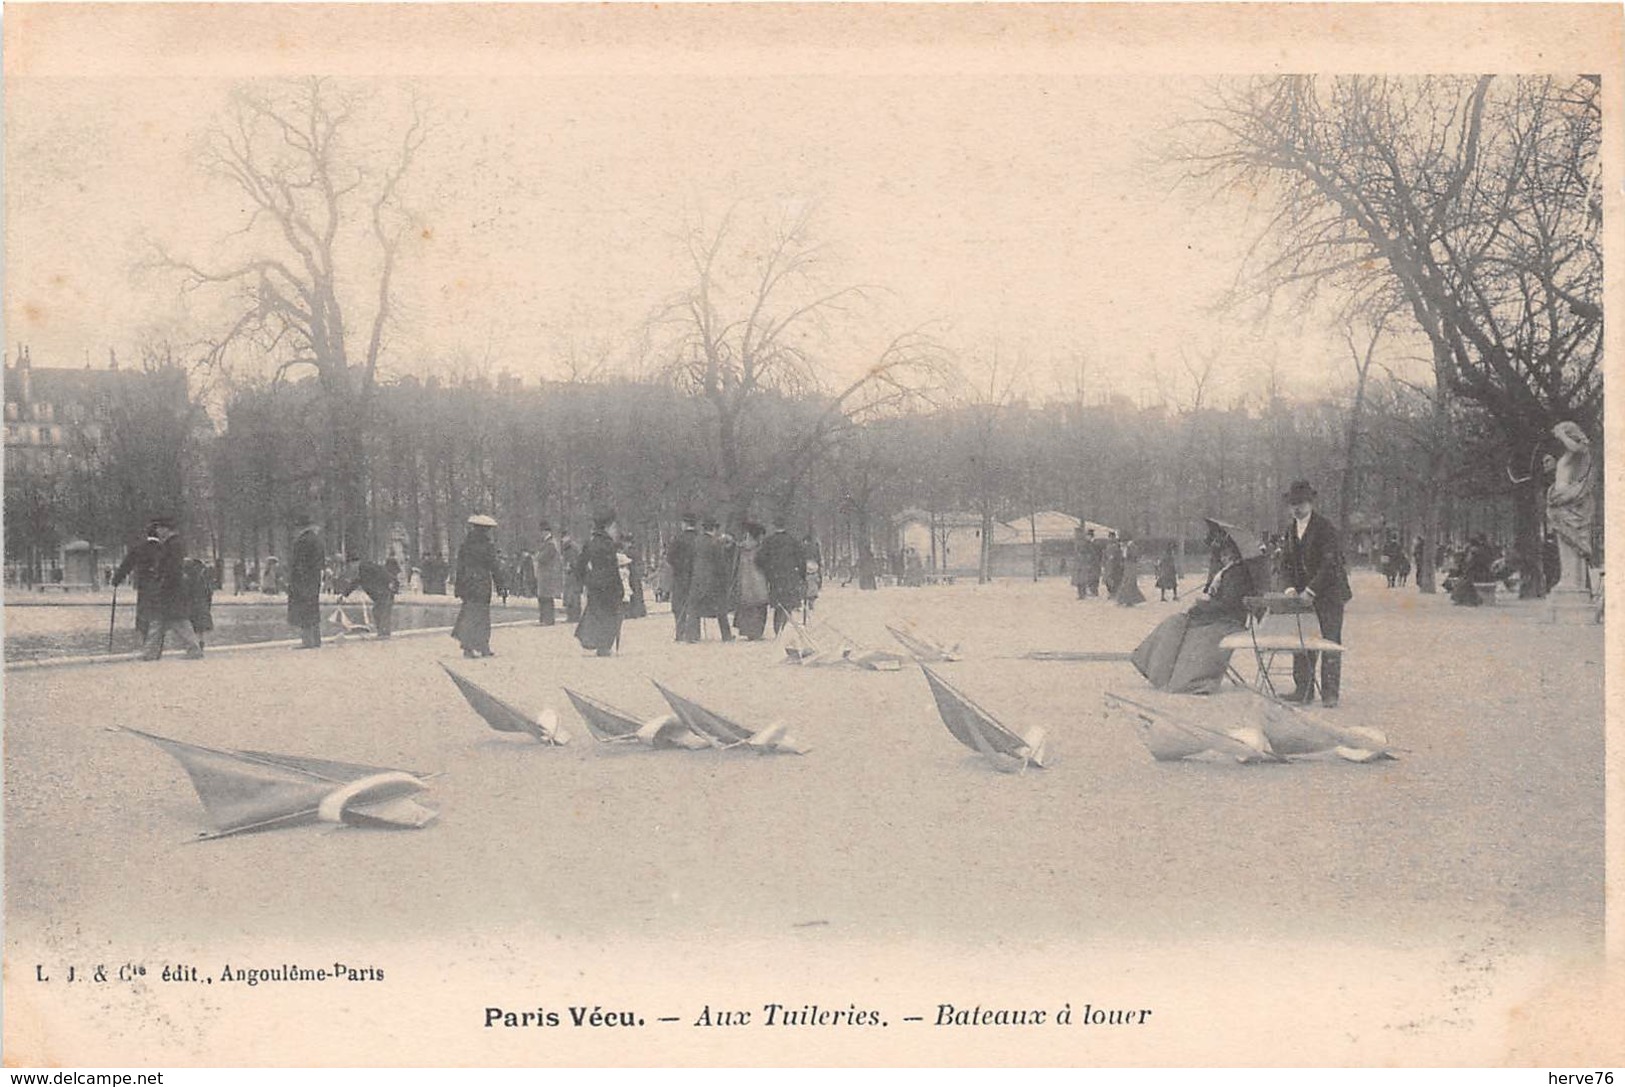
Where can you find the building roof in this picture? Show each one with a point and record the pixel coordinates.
(1050, 525)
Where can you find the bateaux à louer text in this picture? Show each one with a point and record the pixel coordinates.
(817, 1015)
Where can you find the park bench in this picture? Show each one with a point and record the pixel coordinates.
(1486, 590)
(65, 586)
(1278, 625)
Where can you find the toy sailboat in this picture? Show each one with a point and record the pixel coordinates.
(980, 731)
(721, 731)
(610, 725)
(254, 790)
(502, 717)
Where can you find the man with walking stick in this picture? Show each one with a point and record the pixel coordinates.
(141, 564)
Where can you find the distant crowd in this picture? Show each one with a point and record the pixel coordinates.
(737, 582)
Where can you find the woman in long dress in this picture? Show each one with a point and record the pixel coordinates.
(599, 571)
(1128, 591)
(1182, 655)
(750, 615)
(477, 574)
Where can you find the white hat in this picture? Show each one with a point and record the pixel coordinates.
(483, 519)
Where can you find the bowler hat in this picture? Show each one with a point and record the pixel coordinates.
(1300, 491)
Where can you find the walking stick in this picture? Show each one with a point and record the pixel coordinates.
(112, 618)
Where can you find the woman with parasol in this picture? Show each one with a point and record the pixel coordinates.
(1182, 655)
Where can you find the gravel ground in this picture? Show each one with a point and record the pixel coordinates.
(1486, 836)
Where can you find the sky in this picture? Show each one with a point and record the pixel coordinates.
(1020, 210)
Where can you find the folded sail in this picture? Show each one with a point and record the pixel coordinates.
(253, 790)
(979, 730)
(504, 717)
(715, 727)
(606, 723)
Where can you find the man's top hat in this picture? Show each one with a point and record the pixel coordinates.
(1300, 491)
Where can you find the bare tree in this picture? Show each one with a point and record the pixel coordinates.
(1474, 201)
(987, 394)
(316, 199)
(754, 324)
(1362, 359)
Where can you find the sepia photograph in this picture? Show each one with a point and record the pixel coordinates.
(821, 534)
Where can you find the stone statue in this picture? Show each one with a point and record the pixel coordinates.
(1571, 504)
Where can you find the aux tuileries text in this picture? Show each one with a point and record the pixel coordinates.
(816, 1015)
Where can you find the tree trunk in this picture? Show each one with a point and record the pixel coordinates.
(866, 552)
(984, 566)
(1032, 529)
(1529, 538)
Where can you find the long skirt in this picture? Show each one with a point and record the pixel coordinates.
(1184, 657)
(1128, 591)
(600, 627)
(751, 620)
(473, 627)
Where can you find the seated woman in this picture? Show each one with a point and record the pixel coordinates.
(1182, 654)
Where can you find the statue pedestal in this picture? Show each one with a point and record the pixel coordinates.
(1570, 606)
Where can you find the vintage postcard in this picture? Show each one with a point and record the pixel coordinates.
(826, 534)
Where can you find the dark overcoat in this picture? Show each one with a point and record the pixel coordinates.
(781, 559)
(598, 570)
(174, 601)
(680, 554)
(708, 589)
(305, 578)
(549, 569)
(1315, 563)
(477, 569)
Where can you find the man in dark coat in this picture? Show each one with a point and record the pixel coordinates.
(172, 605)
(375, 581)
(708, 589)
(305, 582)
(570, 553)
(141, 564)
(1082, 547)
(477, 574)
(1093, 561)
(780, 557)
(680, 556)
(1312, 566)
(549, 567)
(598, 569)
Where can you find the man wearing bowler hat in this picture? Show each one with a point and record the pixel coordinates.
(1312, 565)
